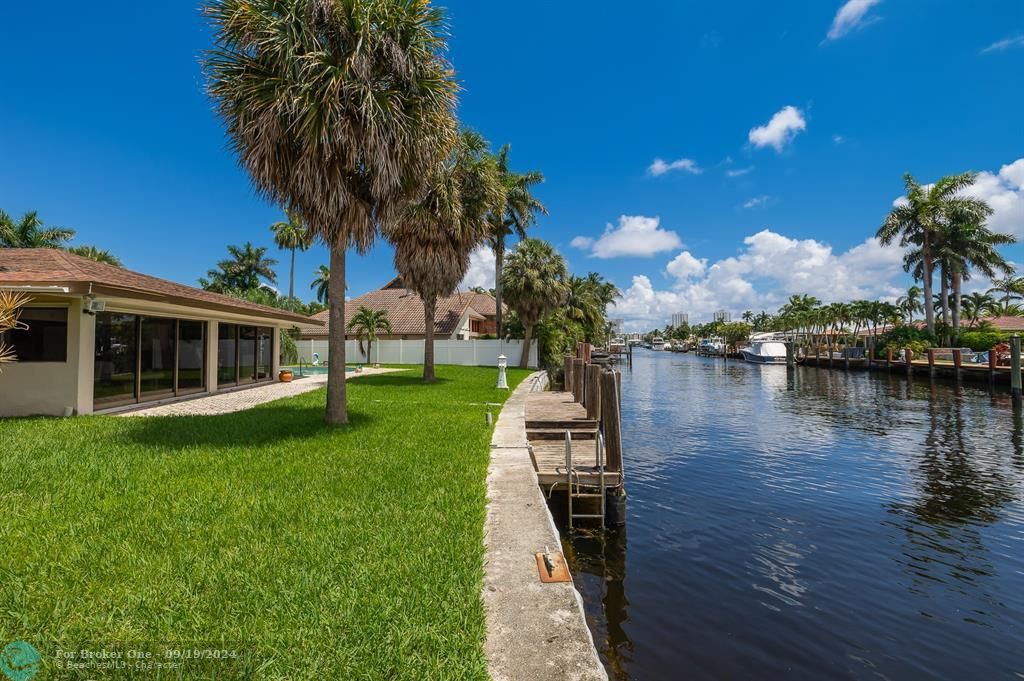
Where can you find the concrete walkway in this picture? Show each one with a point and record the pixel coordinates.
(535, 631)
(245, 398)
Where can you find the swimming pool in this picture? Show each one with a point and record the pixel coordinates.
(308, 370)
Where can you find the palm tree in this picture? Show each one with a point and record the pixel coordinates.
(535, 281)
(29, 232)
(338, 110)
(291, 234)
(322, 284)
(368, 324)
(434, 235)
(918, 220)
(10, 308)
(518, 214)
(242, 271)
(583, 305)
(93, 253)
(1010, 287)
(976, 305)
(910, 303)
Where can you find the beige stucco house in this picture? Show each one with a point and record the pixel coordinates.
(98, 337)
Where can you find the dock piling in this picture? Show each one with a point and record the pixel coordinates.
(909, 355)
(957, 363)
(610, 424)
(567, 374)
(593, 391)
(790, 359)
(931, 362)
(1015, 387)
(578, 379)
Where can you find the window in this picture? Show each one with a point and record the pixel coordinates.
(191, 356)
(227, 354)
(45, 339)
(157, 357)
(244, 354)
(114, 373)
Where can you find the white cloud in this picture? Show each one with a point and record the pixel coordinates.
(769, 269)
(1000, 45)
(659, 167)
(838, 139)
(684, 266)
(780, 130)
(481, 269)
(756, 202)
(851, 16)
(636, 236)
(739, 172)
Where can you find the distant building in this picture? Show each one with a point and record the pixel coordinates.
(722, 316)
(680, 319)
(617, 326)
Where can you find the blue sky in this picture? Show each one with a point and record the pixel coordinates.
(781, 147)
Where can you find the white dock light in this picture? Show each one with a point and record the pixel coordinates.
(502, 365)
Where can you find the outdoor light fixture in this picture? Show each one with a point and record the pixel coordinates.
(502, 365)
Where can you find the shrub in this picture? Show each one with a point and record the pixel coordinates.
(904, 336)
(982, 341)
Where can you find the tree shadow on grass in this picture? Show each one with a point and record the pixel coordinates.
(276, 423)
(399, 380)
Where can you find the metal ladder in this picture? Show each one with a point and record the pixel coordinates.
(576, 488)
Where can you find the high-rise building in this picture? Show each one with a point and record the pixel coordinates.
(679, 319)
(722, 316)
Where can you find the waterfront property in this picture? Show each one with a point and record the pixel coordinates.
(317, 552)
(97, 337)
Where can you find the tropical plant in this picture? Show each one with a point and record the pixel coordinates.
(339, 111)
(535, 281)
(30, 232)
(1009, 288)
(981, 341)
(516, 216)
(242, 271)
(322, 284)
(977, 305)
(434, 235)
(93, 253)
(368, 324)
(910, 303)
(291, 234)
(586, 304)
(10, 308)
(918, 220)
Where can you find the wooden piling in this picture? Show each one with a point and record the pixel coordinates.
(909, 354)
(567, 374)
(888, 359)
(993, 359)
(846, 358)
(578, 379)
(593, 391)
(1015, 387)
(817, 355)
(957, 363)
(790, 359)
(611, 424)
(931, 362)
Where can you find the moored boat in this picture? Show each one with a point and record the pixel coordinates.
(765, 352)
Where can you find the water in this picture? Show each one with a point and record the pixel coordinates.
(813, 525)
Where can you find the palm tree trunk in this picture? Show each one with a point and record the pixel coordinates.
(957, 300)
(429, 308)
(524, 359)
(944, 292)
(291, 277)
(929, 308)
(499, 262)
(337, 398)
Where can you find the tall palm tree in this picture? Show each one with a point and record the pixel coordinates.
(368, 325)
(434, 235)
(99, 255)
(322, 284)
(917, 221)
(1010, 288)
(518, 214)
(338, 110)
(291, 234)
(29, 232)
(536, 283)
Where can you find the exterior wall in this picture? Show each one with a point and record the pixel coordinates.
(465, 352)
(48, 388)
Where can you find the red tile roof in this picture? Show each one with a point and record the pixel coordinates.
(51, 266)
(405, 311)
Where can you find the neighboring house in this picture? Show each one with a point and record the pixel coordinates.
(102, 337)
(460, 316)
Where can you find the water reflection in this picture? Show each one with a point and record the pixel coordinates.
(810, 524)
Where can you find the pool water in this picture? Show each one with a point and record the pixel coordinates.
(308, 370)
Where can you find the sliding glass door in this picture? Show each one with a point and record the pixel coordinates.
(245, 354)
(191, 357)
(227, 355)
(115, 366)
(156, 359)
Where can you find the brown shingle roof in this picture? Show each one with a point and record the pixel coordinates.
(405, 312)
(50, 266)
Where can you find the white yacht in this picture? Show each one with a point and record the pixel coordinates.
(657, 343)
(765, 352)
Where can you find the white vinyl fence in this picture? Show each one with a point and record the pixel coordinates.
(480, 353)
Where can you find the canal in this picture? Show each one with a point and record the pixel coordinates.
(813, 524)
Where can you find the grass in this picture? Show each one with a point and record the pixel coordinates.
(315, 552)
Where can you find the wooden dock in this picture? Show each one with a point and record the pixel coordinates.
(548, 416)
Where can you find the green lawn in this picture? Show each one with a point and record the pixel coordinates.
(351, 553)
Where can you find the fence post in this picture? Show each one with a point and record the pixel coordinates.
(610, 421)
(577, 379)
(593, 389)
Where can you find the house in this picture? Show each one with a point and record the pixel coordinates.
(100, 337)
(460, 316)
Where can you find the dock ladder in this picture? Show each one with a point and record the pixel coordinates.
(577, 490)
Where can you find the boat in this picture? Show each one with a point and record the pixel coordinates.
(711, 346)
(657, 343)
(666, 346)
(765, 352)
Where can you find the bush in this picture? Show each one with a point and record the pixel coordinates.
(904, 336)
(982, 341)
